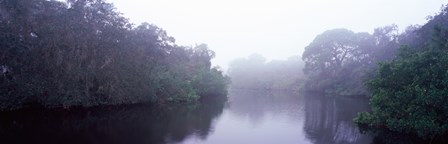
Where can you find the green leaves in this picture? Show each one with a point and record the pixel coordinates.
(85, 53)
(409, 93)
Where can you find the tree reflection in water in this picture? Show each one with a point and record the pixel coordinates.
(130, 125)
(255, 104)
(330, 120)
(324, 119)
(249, 117)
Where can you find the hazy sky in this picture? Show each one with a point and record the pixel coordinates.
(276, 29)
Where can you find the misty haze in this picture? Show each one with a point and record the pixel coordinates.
(223, 72)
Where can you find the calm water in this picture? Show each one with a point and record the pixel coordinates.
(286, 118)
(250, 117)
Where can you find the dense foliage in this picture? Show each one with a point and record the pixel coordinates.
(84, 53)
(338, 61)
(410, 92)
(255, 73)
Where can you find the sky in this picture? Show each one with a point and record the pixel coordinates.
(276, 29)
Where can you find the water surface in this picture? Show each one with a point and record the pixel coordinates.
(286, 117)
(271, 117)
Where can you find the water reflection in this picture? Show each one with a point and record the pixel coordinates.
(249, 117)
(130, 125)
(287, 117)
(329, 120)
(254, 105)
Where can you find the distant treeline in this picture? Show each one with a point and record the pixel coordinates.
(255, 73)
(405, 74)
(85, 53)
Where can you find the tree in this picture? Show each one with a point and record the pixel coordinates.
(386, 43)
(333, 56)
(85, 53)
(409, 93)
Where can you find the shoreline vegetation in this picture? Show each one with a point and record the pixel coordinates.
(409, 93)
(82, 54)
(85, 53)
(404, 74)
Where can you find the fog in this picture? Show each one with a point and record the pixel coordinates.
(275, 29)
(198, 71)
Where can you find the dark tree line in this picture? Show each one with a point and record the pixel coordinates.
(409, 93)
(85, 53)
